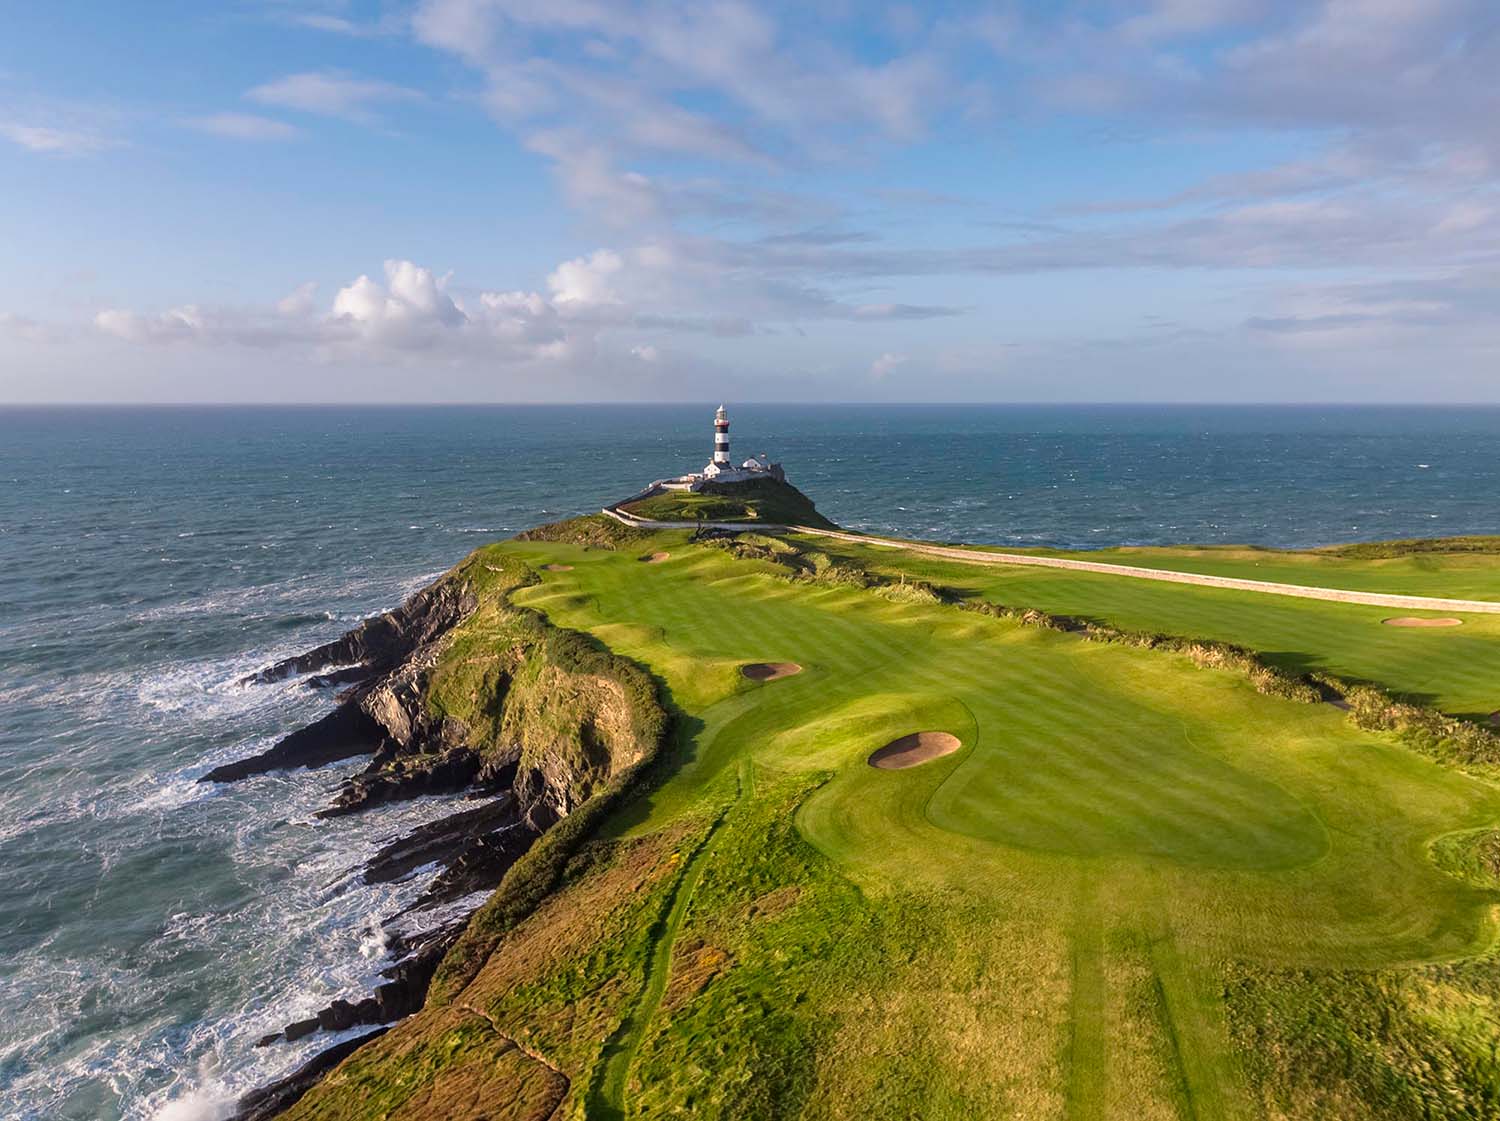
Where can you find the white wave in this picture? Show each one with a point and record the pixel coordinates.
(209, 1103)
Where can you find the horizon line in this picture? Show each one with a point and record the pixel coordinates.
(710, 403)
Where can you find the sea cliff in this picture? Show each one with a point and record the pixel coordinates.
(460, 690)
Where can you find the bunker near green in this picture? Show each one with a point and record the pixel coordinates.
(914, 749)
(770, 671)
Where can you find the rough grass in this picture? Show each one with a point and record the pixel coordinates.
(1414, 546)
(1387, 1044)
(1147, 884)
(591, 530)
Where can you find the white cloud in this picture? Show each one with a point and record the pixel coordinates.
(408, 310)
(331, 94)
(244, 126)
(642, 69)
(586, 281)
(56, 141)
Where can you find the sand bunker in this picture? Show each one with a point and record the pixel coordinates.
(557, 567)
(770, 671)
(656, 558)
(1413, 621)
(919, 747)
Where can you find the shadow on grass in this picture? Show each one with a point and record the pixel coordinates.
(1308, 664)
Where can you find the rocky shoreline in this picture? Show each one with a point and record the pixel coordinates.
(382, 666)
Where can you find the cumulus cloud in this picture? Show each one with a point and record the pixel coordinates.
(408, 309)
(332, 94)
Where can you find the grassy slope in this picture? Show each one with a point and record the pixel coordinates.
(1130, 893)
(763, 500)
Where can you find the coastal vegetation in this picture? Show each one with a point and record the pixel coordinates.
(1184, 852)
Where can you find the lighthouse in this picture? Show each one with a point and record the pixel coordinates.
(721, 440)
(721, 468)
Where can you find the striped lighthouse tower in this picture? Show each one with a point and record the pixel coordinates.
(721, 440)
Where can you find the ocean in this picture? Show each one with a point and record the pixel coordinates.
(152, 928)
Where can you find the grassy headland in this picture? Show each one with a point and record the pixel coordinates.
(1157, 880)
(764, 500)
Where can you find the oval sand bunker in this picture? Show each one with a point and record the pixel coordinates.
(557, 567)
(770, 671)
(909, 751)
(1413, 621)
(656, 558)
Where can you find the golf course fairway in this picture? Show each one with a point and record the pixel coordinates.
(1145, 883)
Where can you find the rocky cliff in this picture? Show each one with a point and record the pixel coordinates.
(460, 689)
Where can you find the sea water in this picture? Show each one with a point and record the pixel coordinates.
(152, 928)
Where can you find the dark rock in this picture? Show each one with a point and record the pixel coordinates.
(404, 993)
(411, 777)
(337, 1016)
(278, 1097)
(300, 1029)
(443, 840)
(344, 732)
(380, 643)
(267, 1040)
(480, 865)
(337, 677)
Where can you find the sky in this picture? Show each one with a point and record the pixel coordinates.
(822, 200)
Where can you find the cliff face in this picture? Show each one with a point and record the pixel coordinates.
(461, 689)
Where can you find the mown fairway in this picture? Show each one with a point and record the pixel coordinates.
(1047, 922)
(1457, 669)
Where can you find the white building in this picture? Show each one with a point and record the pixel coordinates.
(721, 468)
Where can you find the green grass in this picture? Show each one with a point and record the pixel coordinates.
(1456, 669)
(1141, 888)
(760, 500)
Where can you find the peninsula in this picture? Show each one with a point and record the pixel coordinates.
(771, 819)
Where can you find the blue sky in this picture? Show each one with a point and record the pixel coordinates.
(532, 200)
